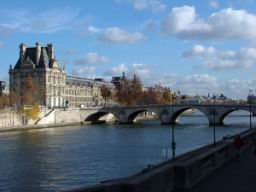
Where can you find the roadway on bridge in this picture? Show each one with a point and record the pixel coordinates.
(238, 175)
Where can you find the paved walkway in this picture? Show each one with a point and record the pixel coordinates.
(238, 175)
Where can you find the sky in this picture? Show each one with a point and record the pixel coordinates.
(195, 47)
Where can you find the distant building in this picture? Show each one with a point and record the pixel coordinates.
(251, 99)
(54, 87)
(118, 80)
(184, 99)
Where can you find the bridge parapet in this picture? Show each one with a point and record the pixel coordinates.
(168, 114)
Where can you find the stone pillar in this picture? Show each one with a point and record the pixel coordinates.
(122, 118)
(165, 119)
(22, 52)
(217, 120)
(50, 51)
(38, 53)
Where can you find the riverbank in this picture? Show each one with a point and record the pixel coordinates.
(64, 158)
(188, 170)
(30, 127)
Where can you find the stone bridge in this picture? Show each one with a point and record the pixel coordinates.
(168, 114)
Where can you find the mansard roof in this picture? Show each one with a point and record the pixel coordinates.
(30, 55)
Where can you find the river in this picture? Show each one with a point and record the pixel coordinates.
(55, 159)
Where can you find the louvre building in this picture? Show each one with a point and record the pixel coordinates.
(54, 87)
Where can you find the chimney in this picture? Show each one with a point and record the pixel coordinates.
(22, 52)
(50, 51)
(38, 53)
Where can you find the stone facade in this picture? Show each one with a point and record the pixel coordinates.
(3, 88)
(54, 87)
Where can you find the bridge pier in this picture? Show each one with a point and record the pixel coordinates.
(125, 122)
(217, 120)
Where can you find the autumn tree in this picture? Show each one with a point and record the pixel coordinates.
(105, 93)
(151, 96)
(167, 96)
(30, 104)
(122, 91)
(3, 101)
(129, 91)
(136, 90)
(156, 94)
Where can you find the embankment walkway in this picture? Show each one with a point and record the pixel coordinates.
(237, 175)
(210, 168)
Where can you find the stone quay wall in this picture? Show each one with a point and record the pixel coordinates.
(181, 174)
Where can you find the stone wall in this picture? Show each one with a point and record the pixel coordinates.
(61, 116)
(9, 119)
(181, 175)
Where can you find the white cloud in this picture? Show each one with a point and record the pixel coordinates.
(225, 24)
(84, 71)
(92, 29)
(238, 88)
(119, 36)
(140, 69)
(199, 84)
(195, 84)
(199, 50)
(214, 4)
(93, 58)
(154, 5)
(221, 60)
(49, 21)
(117, 71)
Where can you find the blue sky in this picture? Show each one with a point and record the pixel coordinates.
(195, 46)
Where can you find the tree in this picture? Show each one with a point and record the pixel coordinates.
(29, 101)
(129, 91)
(156, 94)
(122, 92)
(136, 90)
(30, 112)
(28, 94)
(167, 96)
(105, 93)
(151, 96)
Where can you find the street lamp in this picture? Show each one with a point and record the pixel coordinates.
(250, 105)
(173, 138)
(214, 126)
(250, 115)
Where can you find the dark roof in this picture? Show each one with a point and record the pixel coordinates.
(30, 58)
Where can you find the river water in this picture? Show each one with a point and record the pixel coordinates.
(56, 159)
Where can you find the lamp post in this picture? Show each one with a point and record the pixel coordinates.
(214, 126)
(250, 115)
(250, 107)
(173, 138)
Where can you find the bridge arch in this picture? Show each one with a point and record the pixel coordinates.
(95, 117)
(227, 113)
(176, 114)
(131, 117)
